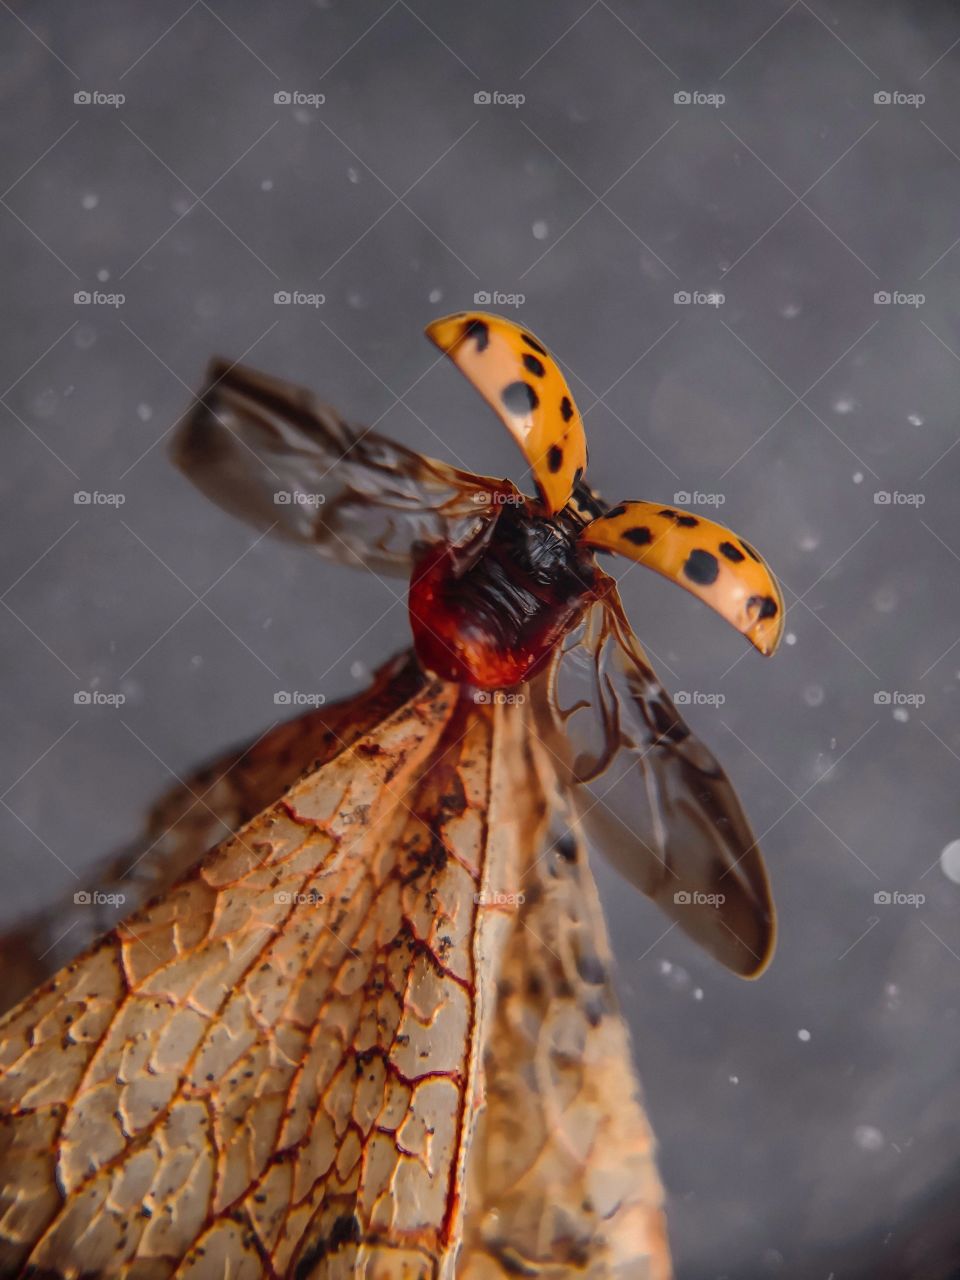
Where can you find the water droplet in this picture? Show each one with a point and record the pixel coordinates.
(885, 599)
(359, 671)
(844, 405)
(356, 300)
(915, 419)
(540, 230)
(892, 990)
(45, 405)
(858, 477)
(790, 638)
(103, 275)
(676, 977)
(698, 993)
(790, 310)
(266, 184)
(90, 200)
(734, 1079)
(813, 695)
(144, 412)
(435, 295)
(809, 542)
(180, 205)
(803, 1034)
(353, 175)
(901, 714)
(868, 1138)
(196, 661)
(303, 115)
(950, 861)
(84, 337)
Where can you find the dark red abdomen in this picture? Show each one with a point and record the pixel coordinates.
(493, 620)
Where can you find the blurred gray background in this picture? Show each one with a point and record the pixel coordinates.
(809, 1124)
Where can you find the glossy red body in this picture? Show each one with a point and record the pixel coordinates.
(491, 620)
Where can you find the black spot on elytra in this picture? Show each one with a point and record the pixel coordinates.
(750, 551)
(480, 331)
(532, 342)
(555, 458)
(687, 522)
(532, 365)
(618, 510)
(519, 398)
(731, 552)
(665, 511)
(766, 606)
(701, 568)
(566, 409)
(639, 535)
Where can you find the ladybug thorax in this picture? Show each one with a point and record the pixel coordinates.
(492, 620)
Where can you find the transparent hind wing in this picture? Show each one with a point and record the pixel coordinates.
(273, 455)
(652, 798)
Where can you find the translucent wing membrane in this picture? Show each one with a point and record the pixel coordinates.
(523, 384)
(706, 559)
(278, 458)
(304, 1059)
(651, 796)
